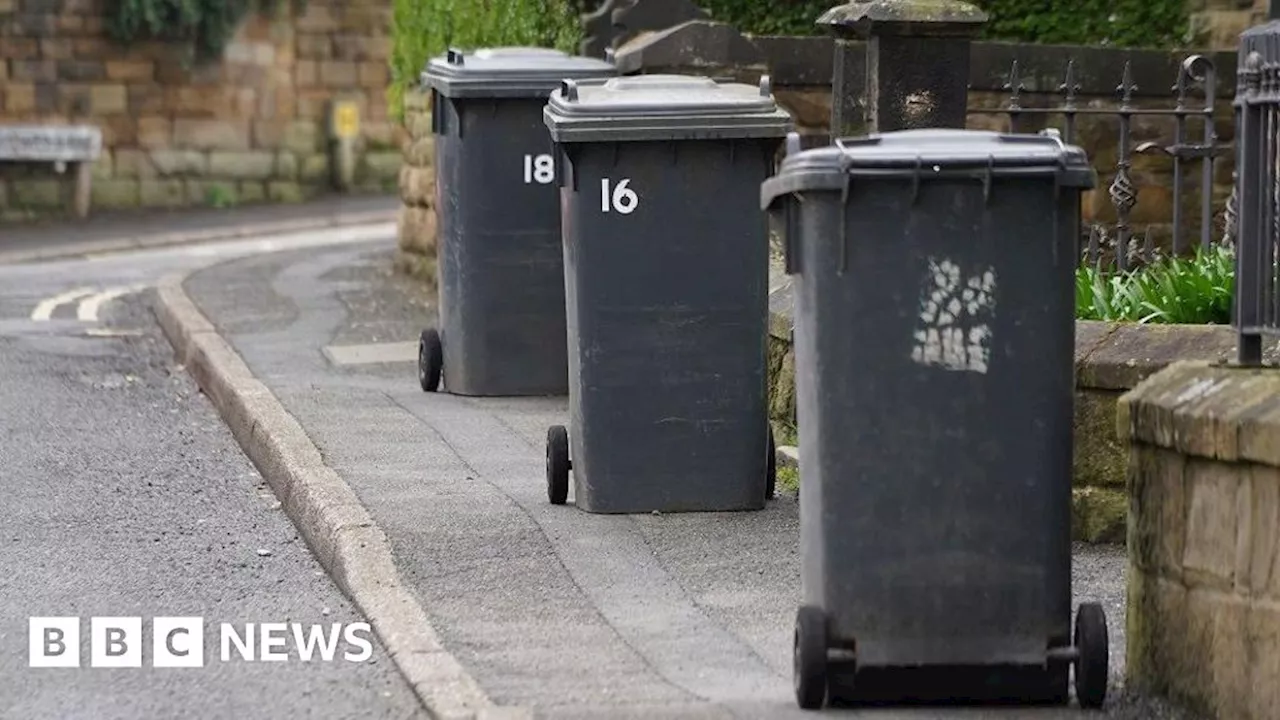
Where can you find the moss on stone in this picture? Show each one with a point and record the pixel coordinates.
(788, 480)
(1099, 515)
(1099, 459)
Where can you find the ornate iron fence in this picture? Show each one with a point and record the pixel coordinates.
(1257, 188)
(1195, 96)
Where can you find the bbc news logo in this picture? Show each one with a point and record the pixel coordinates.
(179, 642)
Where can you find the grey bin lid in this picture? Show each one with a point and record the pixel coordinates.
(508, 72)
(663, 107)
(930, 153)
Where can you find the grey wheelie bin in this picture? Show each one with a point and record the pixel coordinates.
(666, 274)
(934, 322)
(500, 268)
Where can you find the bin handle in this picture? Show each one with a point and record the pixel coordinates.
(766, 86)
(454, 56)
(569, 90)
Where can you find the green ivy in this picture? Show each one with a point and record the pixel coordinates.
(425, 28)
(1121, 23)
(204, 26)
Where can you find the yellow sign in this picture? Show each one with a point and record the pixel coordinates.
(346, 120)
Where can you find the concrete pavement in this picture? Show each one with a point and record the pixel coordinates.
(124, 494)
(117, 232)
(547, 608)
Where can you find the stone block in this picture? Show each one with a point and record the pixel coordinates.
(1099, 515)
(131, 71)
(382, 165)
(1263, 577)
(130, 163)
(211, 193)
(162, 193)
(146, 98)
(19, 48)
(1157, 510)
(211, 134)
(252, 165)
(375, 75)
(317, 18)
(81, 70)
(115, 193)
(37, 193)
(421, 153)
(34, 70)
(339, 74)
(1214, 492)
(56, 48)
(179, 162)
(417, 231)
(155, 132)
(313, 168)
(1263, 694)
(250, 53)
(252, 191)
(302, 137)
(1099, 458)
(19, 99)
(109, 99)
(307, 74)
(417, 186)
(286, 165)
(314, 47)
(285, 191)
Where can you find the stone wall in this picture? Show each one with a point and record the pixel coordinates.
(1218, 23)
(417, 235)
(251, 127)
(1204, 538)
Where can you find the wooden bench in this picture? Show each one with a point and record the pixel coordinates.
(74, 146)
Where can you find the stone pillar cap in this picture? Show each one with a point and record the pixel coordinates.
(914, 18)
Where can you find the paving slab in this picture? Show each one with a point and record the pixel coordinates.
(569, 614)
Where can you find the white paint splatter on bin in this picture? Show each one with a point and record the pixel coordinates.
(955, 313)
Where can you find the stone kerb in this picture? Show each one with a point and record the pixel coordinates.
(1110, 359)
(1204, 537)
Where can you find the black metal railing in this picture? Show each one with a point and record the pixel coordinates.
(1195, 96)
(1257, 187)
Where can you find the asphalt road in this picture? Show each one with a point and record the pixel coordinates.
(124, 495)
(573, 615)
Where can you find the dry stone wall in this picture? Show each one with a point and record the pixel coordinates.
(251, 127)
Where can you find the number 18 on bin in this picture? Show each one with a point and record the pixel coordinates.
(620, 199)
(539, 168)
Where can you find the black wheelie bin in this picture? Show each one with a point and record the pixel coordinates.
(500, 267)
(666, 272)
(933, 290)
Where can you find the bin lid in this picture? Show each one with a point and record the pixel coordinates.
(930, 153)
(663, 107)
(508, 71)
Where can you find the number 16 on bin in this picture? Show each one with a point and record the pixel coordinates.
(621, 198)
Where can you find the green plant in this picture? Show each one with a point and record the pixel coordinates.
(204, 26)
(1121, 23)
(423, 29)
(219, 197)
(1173, 290)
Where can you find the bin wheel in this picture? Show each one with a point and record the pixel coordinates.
(771, 471)
(430, 360)
(1092, 665)
(1058, 690)
(557, 465)
(810, 658)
